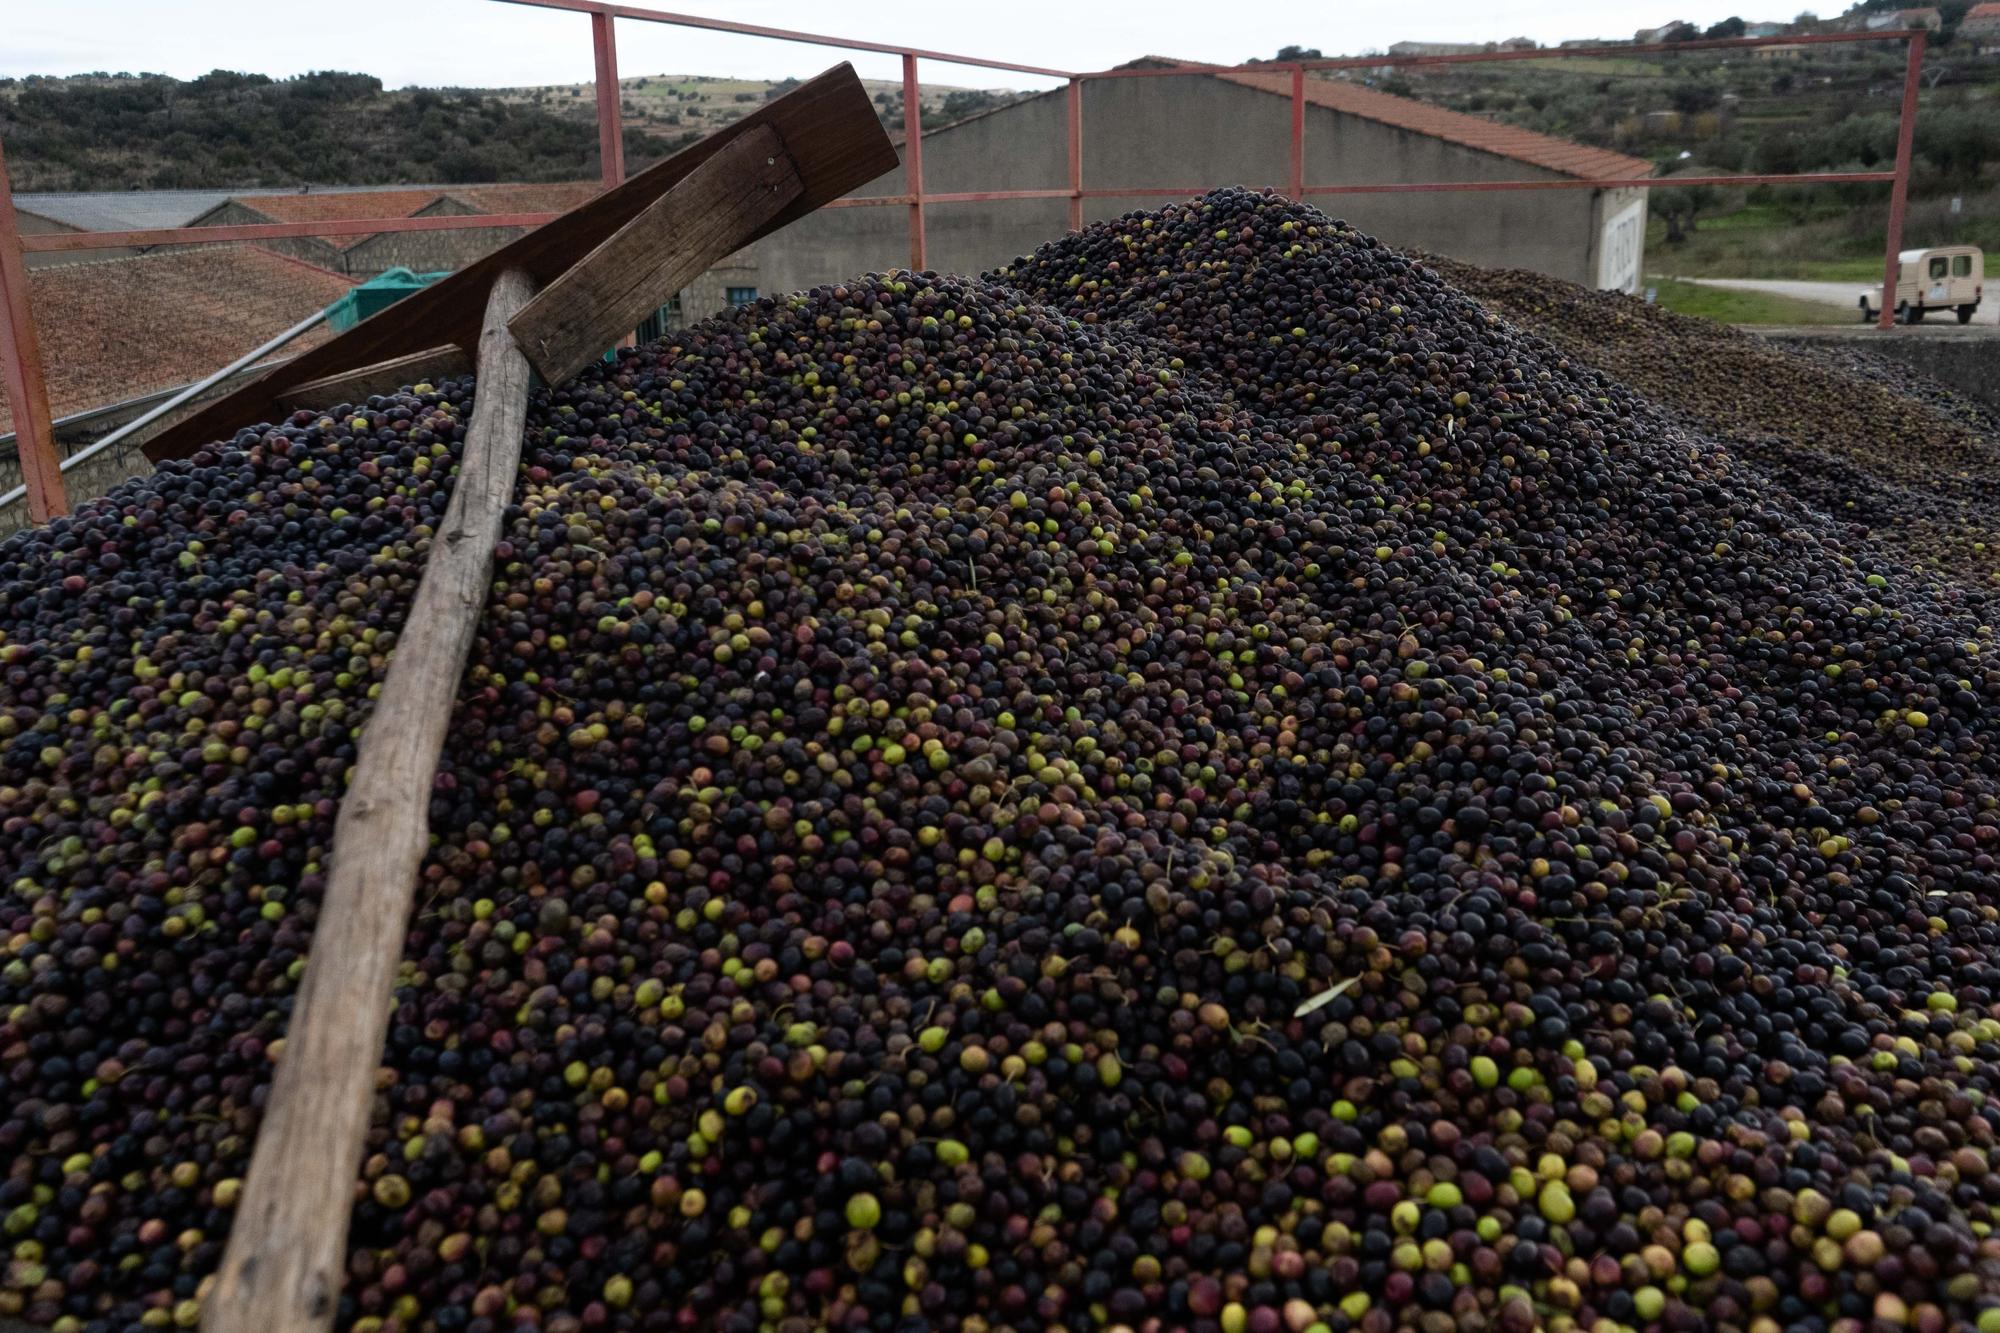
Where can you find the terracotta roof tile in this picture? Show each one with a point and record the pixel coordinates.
(1538, 150)
(549, 197)
(1989, 10)
(118, 328)
(340, 206)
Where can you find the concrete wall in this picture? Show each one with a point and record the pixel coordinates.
(1185, 133)
(32, 224)
(1967, 359)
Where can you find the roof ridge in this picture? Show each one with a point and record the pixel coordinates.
(1486, 136)
(294, 259)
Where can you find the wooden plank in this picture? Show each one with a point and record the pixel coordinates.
(351, 386)
(697, 223)
(281, 1272)
(827, 125)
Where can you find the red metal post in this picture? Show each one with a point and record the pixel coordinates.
(1073, 115)
(1899, 189)
(21, 359)
(913, 158)
(1298, 186)
(610, 121)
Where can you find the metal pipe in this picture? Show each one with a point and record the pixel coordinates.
(610, 114)
(1073, 123)
(1298, 156)
(194, 390)
(1899, 191)
(1378, 187)
(21, 371)
(1609, 183)
(100, 240)
(913, 158)
(269, 231)
(125, 404)
(785, 35)
(610, 127)
(1483, 57)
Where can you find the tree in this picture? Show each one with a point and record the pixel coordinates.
(1681, 207)
(1298, 53)
(1682, 32)
(968, 102)
(1691, 95)
(1729, 27)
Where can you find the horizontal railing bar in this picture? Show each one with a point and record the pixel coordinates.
(785, 35)
(1482, 57)
(1613, 183)
(270, 231)
(63, 242)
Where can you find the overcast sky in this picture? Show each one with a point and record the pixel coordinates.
(483, 43)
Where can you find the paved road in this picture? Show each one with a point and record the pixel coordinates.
(1842, 294)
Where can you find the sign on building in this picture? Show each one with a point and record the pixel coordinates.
(1620, 246)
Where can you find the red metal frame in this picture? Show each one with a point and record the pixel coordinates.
(913, 158)
(783, 34)
(27, 390)
(1297, 184)
(1073, 127)
(20, 354)
(271, 231)
(1906, 134)
(610, 114)
(1484, 57)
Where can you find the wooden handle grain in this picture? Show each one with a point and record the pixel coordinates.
(281, 1272)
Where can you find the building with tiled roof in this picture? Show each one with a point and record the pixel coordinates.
(1163, 138)
(364, 256)
(117, 329)
(1562, 156)
(1981, 26)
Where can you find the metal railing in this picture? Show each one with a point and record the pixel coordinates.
(20, 356)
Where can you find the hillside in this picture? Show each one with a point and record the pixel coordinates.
(670, 104)
(1798, 109)
(229, 130)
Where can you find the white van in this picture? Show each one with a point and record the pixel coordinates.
(1944, 277)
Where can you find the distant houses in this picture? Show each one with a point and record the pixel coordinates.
(1981, 27)
(365, 256)
(1673, 30)
(1928, 19)
(1463, 48)
(1440, 48)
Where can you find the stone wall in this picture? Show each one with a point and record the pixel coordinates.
(312, 249)
(1967, 359)
(426, 251)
